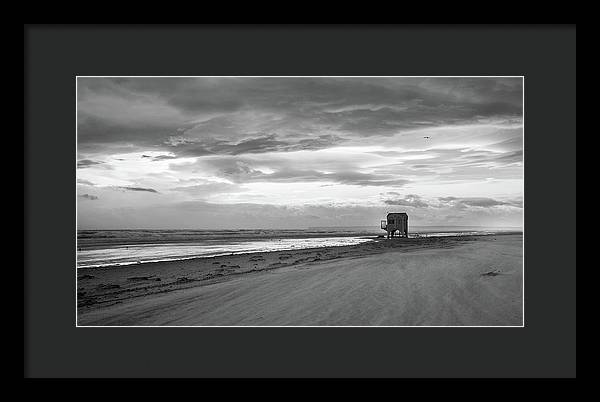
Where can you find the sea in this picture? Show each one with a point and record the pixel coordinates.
(114, 248)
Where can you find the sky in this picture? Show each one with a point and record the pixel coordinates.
(298, 152)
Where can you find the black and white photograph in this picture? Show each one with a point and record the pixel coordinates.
(299, 201)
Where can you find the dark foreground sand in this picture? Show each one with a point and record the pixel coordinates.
(469, 280)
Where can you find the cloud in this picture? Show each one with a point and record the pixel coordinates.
(334, 142)
(267, 143)
(85, 163)
(187, 147)
(290, 175)
(150, 190)
(89, 197)
(163, 157)
(350, 178)
(209, 188)
(410, 200)
(241, 170)
(482, 202)
(146, 112)
(85, 182)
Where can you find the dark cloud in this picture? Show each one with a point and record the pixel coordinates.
(268, 143)
(163, 157)
(486, 90)
(259, 144)
(481, 202)
(510, 157)
(185, 93)
(89, 197)
(149, 190)
(388, 121)
(146, 112)
(85, 163)
(317, 142)
(96, 133)
(197, 100)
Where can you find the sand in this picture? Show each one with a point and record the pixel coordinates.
(468, 280)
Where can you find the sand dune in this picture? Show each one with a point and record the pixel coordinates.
(474, 281)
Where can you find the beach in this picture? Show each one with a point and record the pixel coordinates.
(436, 281)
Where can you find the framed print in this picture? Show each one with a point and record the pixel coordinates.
(300, 201)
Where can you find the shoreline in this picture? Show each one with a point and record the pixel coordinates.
(93, 243)
(464, 280)
(110, 285)
(374, 238)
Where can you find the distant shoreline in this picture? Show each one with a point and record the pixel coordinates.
(101, 246)
(86, 242)
(395, 243)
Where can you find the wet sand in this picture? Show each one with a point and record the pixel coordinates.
(466, 280)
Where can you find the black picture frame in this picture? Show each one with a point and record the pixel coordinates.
(55, 54)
